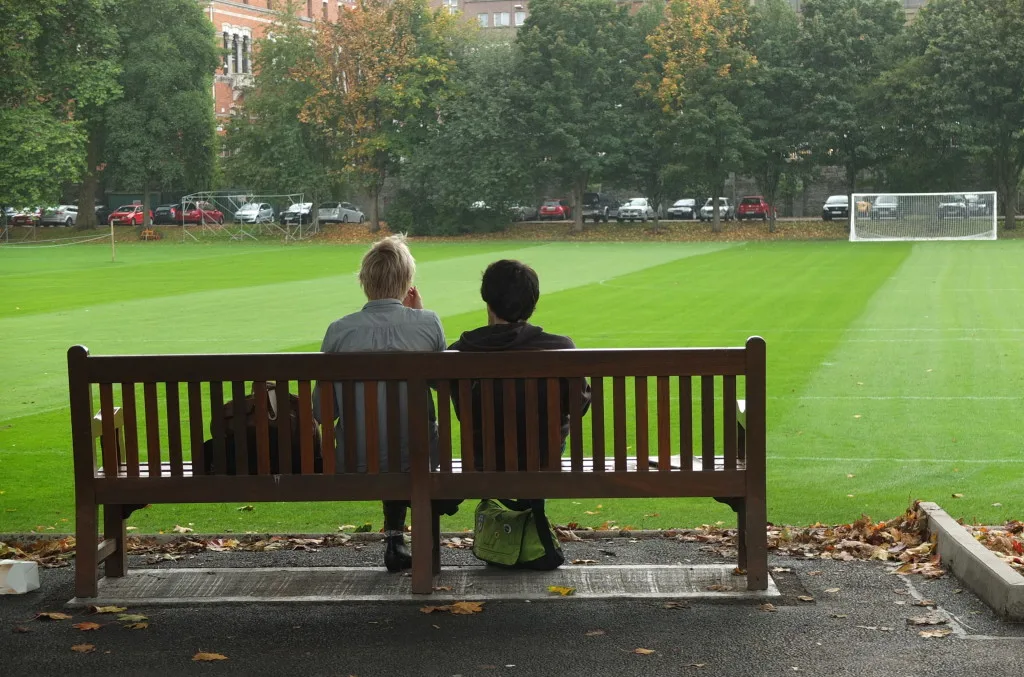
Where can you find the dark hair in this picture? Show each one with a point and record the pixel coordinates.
(510, 289)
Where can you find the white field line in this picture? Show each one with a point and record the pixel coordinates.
(941, 398)
(890, 460)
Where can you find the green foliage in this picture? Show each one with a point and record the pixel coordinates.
(57, 60)
(160, 134)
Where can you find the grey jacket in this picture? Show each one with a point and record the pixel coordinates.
(382, 326)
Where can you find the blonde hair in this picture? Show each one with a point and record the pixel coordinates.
(388, 269)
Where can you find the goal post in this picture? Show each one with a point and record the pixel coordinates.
(880, 217)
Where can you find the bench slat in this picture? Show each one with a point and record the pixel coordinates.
(131, 429)
(597, 421)
(664, 423)
(686, 419)
(371, 421)
(444, 424)
(619, 416)
(195, 422)
(394, 425)
(327, 427)
(284, 426)
(640, 409)
(554, 421)
(532, 416)
(238, 430)
(576, 386)
(173, 404)
(217, 431)
(729, 420)
(305, 428)
(108, 440)
(262, 413)
(487, 427)
(707, 418)
(508, 402)
(349, 427)
(152, 428)
(465, 415)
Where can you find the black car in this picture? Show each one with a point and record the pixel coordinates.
(886, 207)
(298, 213)
(836, 207)
(953, 206)
(599, 207)
(165, 214)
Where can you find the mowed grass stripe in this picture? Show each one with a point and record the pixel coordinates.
(911, 401)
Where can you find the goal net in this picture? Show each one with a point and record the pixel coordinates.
(923, 216)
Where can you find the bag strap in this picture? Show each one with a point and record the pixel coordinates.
(272, 400)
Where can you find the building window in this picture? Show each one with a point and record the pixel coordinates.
(482, 19)
(235, 60)
(452, 5)
(227, 54)
(309, 8)
(245, 54)
(520, 18)
(501, 19)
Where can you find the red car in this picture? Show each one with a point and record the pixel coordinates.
(200, 212)
(754, 207)
(27, 217)
(554, 209)
(128, 215)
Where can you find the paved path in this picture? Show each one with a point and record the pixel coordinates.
(855, 625)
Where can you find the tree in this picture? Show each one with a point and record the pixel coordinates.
(700, 45)
(966, 75)
(379, 75)
(160, 134)
(270, 149)
(844, 47)
(773, 103)
(57, 61)
(571, 77)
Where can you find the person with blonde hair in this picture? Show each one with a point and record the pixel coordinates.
(392, 320)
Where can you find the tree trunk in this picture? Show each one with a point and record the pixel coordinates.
(716, 213)
(90, 182)
(1009, 189)
(374, 208)
(146, 221)
(578, 188)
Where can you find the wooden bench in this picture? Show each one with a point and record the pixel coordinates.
(146, 443)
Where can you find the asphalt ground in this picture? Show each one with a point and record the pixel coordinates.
(856, 624)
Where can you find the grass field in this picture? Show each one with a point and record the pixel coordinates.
(894, 369)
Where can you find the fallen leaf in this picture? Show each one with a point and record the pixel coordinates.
(936, 632)
(136, 626)
(850, 476)
(781, 570)
(767, 606)
(856, 415)
(87, 625)
(997, 505)
(738, 571)
(676, 605)
(840, 616)
(934, 618)
(584, 561)
(245, 508)
(107, 609)
(131, 528)
(924, 602)
(831, 589)
(204, 656)
(591, 512)
(717, 587)
(364, 528)
(442, 588)
(694, 665)
(958, 495)
(132, 618)
(561, 590)
(345, 527)
(593, 633)
(52, 616)
(653, 514)
(805, 598)
(881, 628)
(178, 529)
(83, 648)
(643, 652)
(815, 573)
(466, 608)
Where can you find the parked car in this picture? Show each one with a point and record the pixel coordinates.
(885, 207)
(836, 207)
(297, 213)
(9, 213)
(166, 214)
(102, 213)
(554, 210)
(953, 206)
(520, 212)
(128, 215)
(635, 209)
(683, 209)
(598, 207)
(200, 212)
(726, 209)
(61, 215)
(26, 217)
(255, 212)
(754, 207)
(978, 205)
(340, 212)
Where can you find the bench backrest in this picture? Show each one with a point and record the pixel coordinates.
(652, 409)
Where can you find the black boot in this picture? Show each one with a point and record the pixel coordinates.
(396, 554)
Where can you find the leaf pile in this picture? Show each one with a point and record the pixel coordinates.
(49, 553)
(1006, 542)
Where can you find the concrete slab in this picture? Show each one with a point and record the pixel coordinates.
(175, 587)
(986, 575)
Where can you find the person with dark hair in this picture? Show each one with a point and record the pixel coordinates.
(511, 290)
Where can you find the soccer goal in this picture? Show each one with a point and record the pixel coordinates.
(923, 216)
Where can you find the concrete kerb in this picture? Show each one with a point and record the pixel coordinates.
(986, 575)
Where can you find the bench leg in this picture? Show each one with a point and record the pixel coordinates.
(754, 519)
(436, 543)
(422, 550)
(116, 563)
(741, 534)
(85, 547)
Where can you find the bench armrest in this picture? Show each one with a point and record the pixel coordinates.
(97, 422)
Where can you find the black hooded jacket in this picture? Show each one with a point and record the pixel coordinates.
(519, 336)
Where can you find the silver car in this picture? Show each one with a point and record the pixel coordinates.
(726, 209)
(340, 212)
(255, 212)
(636, 209)
(62, 215)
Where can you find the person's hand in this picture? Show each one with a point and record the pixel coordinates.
(413, 299)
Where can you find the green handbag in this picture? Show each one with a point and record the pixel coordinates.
(515, 534)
